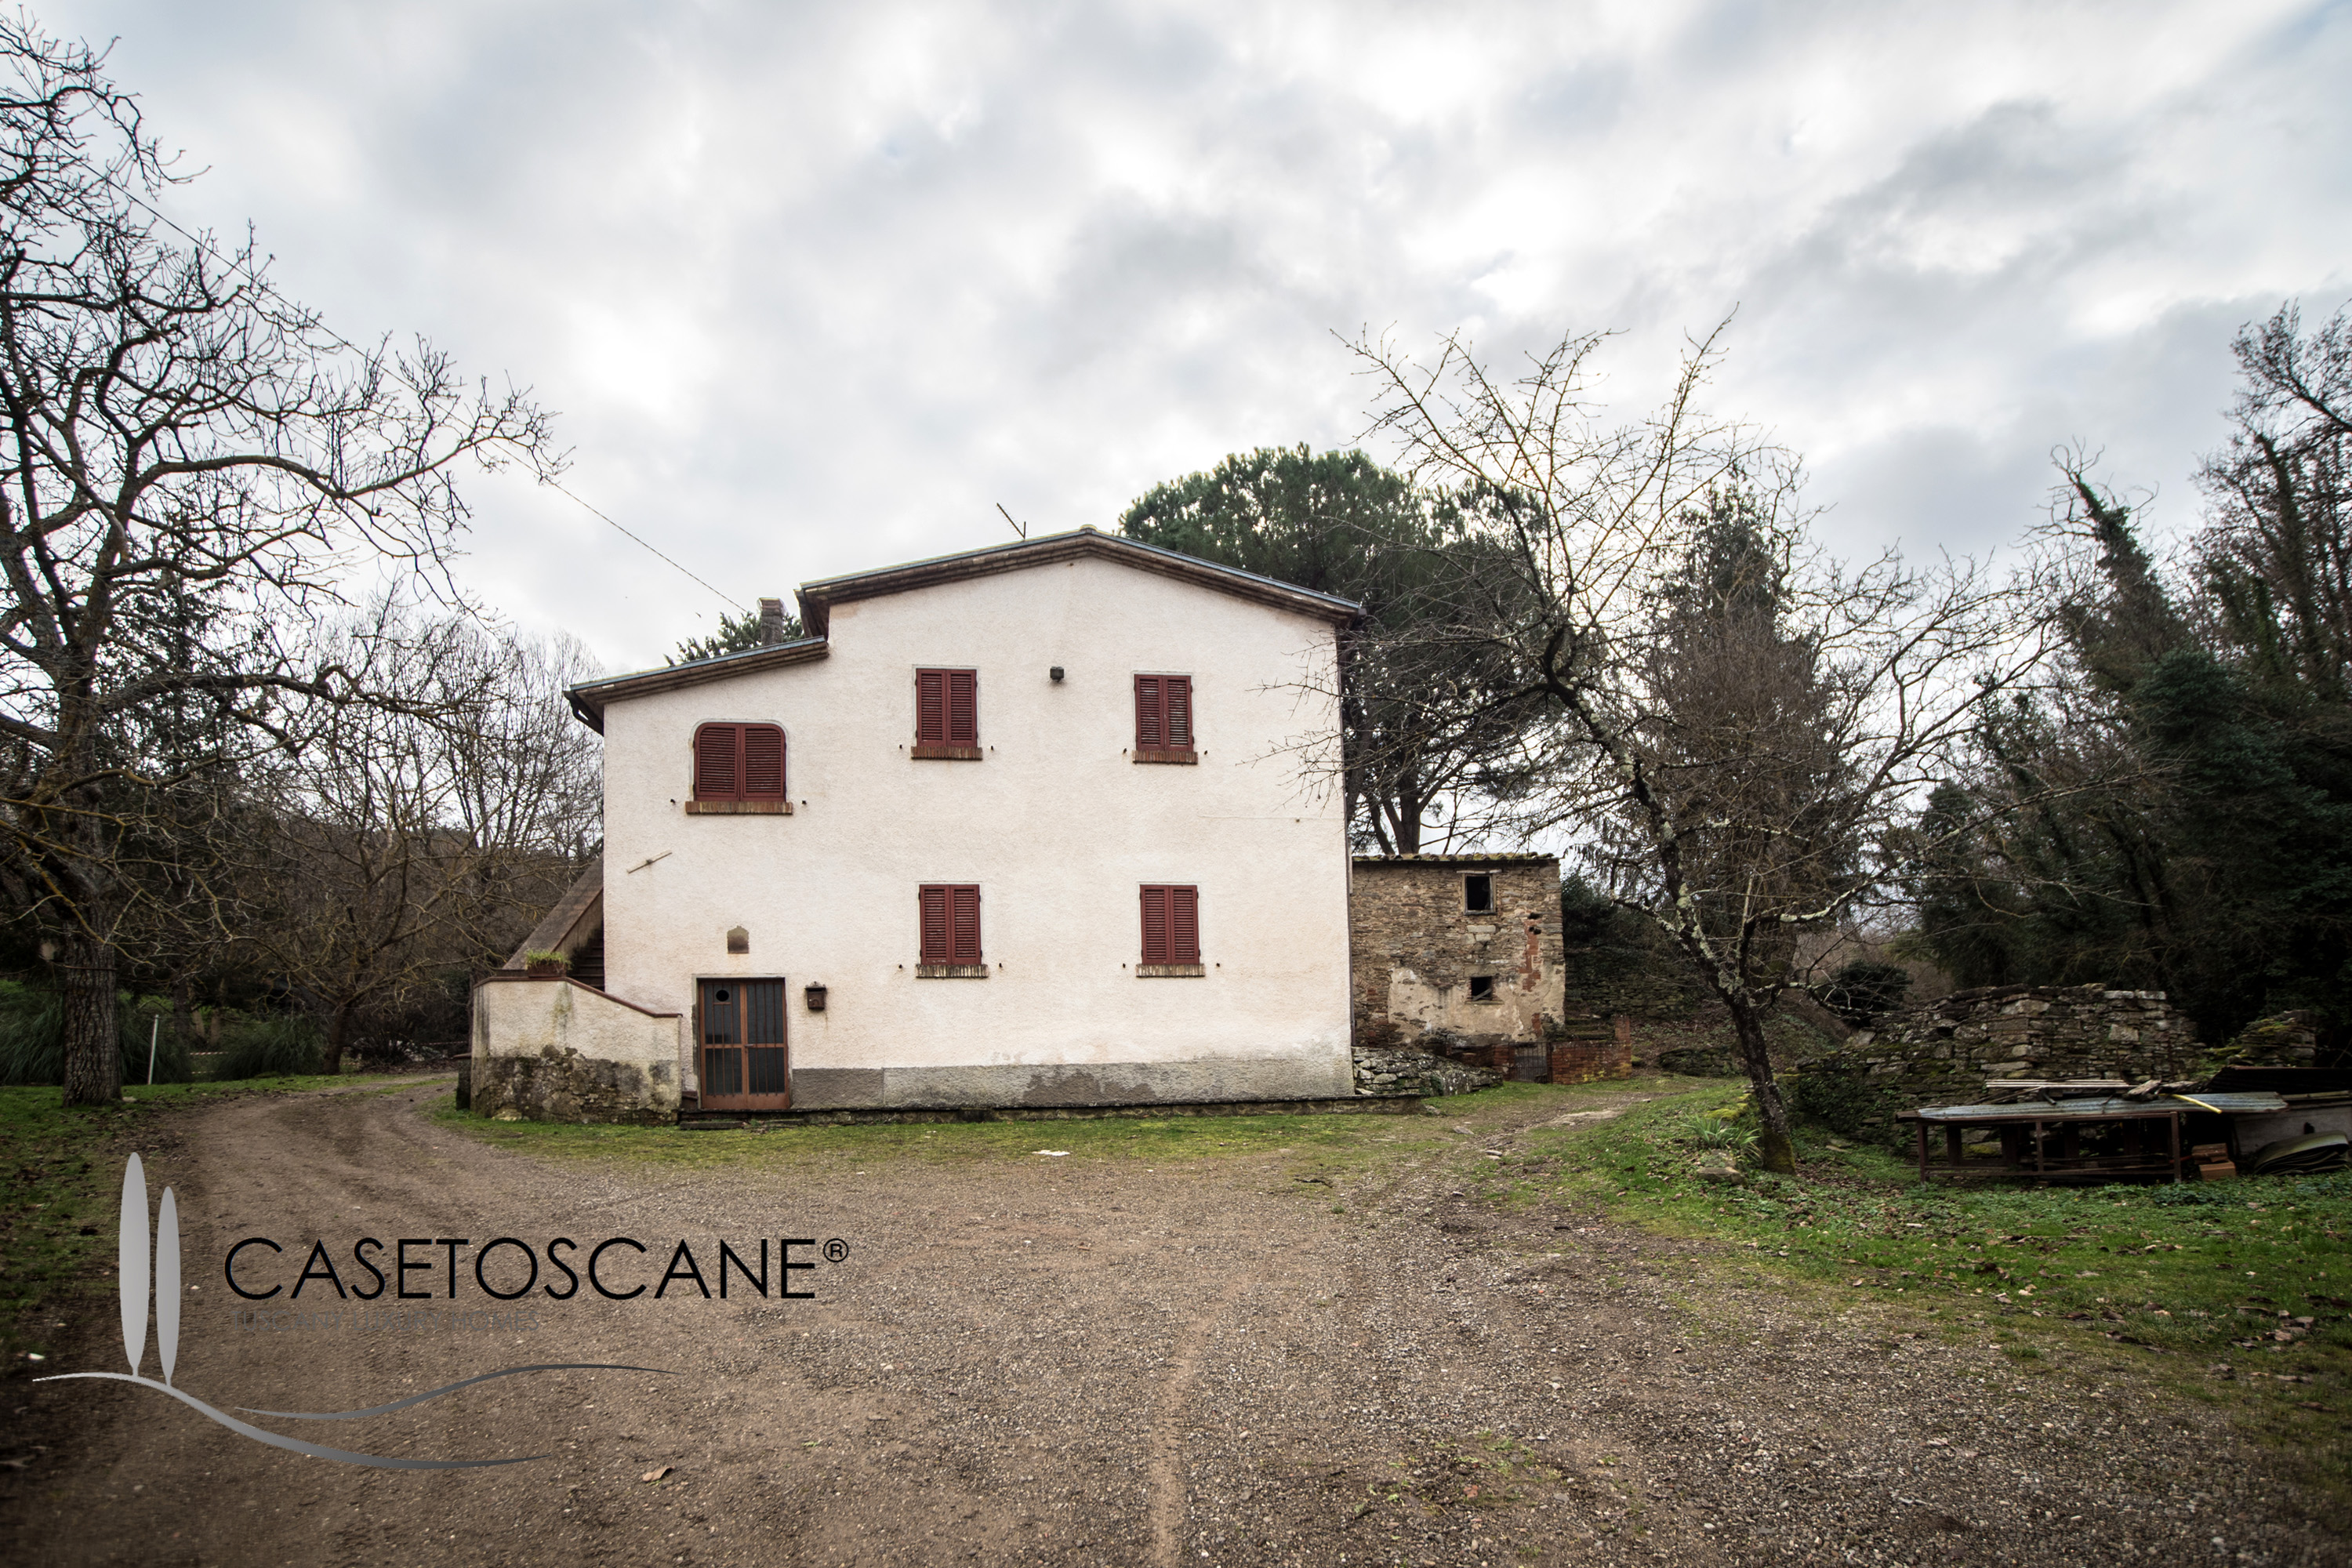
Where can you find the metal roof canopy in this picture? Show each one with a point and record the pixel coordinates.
(2098, 1109)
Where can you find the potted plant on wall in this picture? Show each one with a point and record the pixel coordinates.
(540, 963)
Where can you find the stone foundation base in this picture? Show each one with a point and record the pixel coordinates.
(1102, 1083)
(564, 1086)
(1384, 1071)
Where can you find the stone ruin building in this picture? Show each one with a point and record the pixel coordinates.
(1458, 957)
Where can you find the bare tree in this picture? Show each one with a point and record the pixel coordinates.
(2276, 554)
(2297, 384)
(189, 467)
(1742, 730)
(402, 843)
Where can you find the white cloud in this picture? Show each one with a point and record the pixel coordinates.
(814, 287)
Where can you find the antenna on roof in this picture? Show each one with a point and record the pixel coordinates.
(1020, 527)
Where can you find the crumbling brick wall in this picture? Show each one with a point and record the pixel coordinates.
(1586, 1049)
(1423, 961)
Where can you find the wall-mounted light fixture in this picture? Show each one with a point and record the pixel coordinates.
(1055, 672)
(815, 994)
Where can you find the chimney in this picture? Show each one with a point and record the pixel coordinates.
(772, 622)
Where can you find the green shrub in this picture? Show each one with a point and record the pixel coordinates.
(33, 1039)
(1708, 1131)
(272, 1044)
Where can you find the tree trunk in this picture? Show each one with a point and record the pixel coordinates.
(1408, 813)
(85, 970)
(183, 1013)
(1776, 1149)
(338, 1031)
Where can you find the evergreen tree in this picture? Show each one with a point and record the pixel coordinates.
(1428, 733)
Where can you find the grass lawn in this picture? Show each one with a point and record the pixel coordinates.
(1314, 1145)
(2235, 1295)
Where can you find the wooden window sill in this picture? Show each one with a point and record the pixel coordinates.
(738, 808)
(1170, 971)
(951, 971)
(1165, 755)
(944, 753)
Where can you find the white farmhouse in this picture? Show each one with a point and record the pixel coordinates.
(1048, 824)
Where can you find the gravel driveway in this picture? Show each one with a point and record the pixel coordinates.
(1079, 1360)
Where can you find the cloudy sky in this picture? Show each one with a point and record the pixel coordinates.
(814, 287)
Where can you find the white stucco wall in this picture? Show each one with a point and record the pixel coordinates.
(551, 1050)
(1056, 826)
(528, 1019)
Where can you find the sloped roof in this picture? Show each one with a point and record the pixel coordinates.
(590, 698)
(818, 598)
(1514, 857)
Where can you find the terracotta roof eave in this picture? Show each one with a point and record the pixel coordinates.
(1515, 858)
(589, 699)
(817, 599)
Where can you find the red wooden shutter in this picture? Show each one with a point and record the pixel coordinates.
(763, 763)
(716, 776)
(930, 707)
(1163, 713)
(966, 904)
(1183, 925)
(936, 944)
(1149, 725)
(1155, 926)
(964, 707)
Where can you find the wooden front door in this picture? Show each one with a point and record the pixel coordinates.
(746, 1065)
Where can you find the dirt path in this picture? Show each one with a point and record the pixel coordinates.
(1066, 1361)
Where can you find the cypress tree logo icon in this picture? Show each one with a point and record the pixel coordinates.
(135, 1277)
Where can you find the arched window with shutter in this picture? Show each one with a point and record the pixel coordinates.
(740, 766)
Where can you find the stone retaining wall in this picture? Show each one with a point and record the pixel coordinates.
(557, 1050)
(1944, 1053)
(1384, 1071)
(2281, 1040)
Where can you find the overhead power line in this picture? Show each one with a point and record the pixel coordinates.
(558, 488)
(270, 288)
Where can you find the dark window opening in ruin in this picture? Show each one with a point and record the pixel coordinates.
(1482, 988)
(1478, 895)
